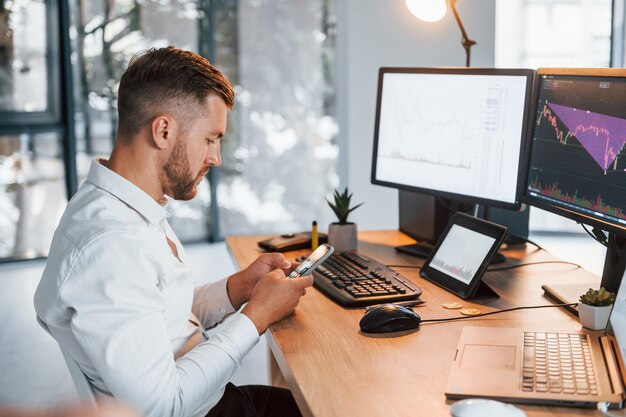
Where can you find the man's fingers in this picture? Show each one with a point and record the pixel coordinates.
(305, 281)
(278, 260)
(279, 273)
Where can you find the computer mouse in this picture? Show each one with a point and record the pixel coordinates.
(389, 318)
(475, 407)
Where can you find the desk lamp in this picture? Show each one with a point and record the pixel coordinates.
(433, 11)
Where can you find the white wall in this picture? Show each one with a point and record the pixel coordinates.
(375, 33)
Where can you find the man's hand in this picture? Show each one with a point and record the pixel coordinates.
(275, 297)
(241, 284)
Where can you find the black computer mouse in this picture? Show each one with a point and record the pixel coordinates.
(389, 318)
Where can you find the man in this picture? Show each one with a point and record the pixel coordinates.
(116, 293)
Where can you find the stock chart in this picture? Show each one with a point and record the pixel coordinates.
(578, 145)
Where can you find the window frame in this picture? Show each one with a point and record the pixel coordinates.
(58, 118)
(19, 121)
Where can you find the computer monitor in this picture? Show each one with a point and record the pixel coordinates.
(454, 133)
(576, 167)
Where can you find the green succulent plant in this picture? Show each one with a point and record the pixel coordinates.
(598, 298)
(341, 206)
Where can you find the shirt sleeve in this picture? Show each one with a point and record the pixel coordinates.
(119, 318)
(211, 303)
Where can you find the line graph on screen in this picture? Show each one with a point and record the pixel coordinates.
(603, 137)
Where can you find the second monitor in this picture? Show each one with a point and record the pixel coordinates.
(454, 133)
(577, 167)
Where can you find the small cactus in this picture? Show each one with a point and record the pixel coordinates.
(341, 206)
(598, 298)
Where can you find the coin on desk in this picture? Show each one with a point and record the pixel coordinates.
(470, 312)
(452, 306)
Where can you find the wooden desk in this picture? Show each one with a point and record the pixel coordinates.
(335, 370)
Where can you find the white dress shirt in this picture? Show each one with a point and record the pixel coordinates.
(118, 300)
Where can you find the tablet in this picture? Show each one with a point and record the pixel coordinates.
(462, 254)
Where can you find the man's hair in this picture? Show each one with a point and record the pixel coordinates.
(167, 80)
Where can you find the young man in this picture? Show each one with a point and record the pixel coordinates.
(116, 292)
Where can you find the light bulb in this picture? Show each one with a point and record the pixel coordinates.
(427, 10)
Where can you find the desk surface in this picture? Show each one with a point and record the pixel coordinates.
(335, 370)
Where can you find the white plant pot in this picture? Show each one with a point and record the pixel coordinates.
(592, 317)
(342, 237)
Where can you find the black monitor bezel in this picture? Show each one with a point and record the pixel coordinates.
(528, 73)
(526, 198)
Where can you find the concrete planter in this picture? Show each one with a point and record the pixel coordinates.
(342, 237)
(592, 317)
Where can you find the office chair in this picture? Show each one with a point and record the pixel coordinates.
(83, 387)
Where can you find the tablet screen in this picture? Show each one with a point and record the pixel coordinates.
(461, 253)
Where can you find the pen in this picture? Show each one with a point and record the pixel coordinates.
(401, 303)
(314, 237)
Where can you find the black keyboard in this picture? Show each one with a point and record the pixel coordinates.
(354, 280)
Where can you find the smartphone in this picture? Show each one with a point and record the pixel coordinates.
(314, 260)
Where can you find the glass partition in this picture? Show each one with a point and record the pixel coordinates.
(32, 193)
(29, 78)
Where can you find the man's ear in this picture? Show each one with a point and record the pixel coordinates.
(162, 130)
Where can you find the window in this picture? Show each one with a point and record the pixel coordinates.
(283, 117)
(553, 33)
(60, 66)
(108, 34)
(283, 121)
(32, 165)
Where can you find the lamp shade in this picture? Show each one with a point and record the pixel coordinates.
(427, 10)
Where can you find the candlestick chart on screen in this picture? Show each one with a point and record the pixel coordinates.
(582, 162)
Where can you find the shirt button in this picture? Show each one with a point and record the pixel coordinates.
(222, 310)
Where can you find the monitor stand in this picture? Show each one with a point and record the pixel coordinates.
(419, 249)
(424, 217)
(423, 249)
(614, 266)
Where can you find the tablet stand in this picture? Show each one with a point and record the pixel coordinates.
(484, 291)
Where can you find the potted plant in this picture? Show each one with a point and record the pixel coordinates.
(342, 234)
(594, 308)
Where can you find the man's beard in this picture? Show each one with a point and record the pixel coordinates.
(178, 172)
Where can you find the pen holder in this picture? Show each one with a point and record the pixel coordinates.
(342, 237)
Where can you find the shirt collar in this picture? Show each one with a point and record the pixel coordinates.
(119, 187)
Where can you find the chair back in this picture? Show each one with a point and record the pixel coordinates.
(81, 382)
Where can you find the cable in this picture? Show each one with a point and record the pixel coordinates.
(595, 237)
(588, 232)
(533, 263)
(526, 240)
(498, 312)
(602, 238)
(537, 245)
